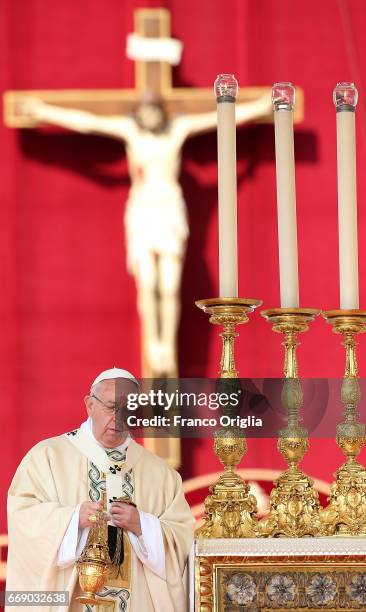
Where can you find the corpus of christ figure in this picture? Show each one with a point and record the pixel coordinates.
(155, 218)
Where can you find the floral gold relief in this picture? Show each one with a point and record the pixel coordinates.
(235, 584)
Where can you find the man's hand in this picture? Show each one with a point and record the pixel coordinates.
(126, 516)
(88, 509)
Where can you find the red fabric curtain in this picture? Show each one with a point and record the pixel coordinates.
(68, 306)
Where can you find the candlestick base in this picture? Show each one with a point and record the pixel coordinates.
(230, 510)
(294, 502)
(346, 511)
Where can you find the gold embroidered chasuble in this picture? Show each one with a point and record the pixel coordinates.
(51, 480)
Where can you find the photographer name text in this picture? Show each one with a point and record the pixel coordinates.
(178, 420)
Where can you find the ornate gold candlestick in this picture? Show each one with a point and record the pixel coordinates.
(294, 504)
(346, 511)
(230, 510)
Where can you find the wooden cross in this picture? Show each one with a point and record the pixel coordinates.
(152, 76)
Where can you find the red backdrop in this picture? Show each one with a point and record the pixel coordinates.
(68, 307)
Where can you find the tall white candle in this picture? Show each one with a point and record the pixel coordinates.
(283, 97)
(226, 89)
(345, 99)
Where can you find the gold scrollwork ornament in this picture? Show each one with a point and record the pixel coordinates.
(231, 510)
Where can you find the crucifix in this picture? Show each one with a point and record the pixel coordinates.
(153, 120)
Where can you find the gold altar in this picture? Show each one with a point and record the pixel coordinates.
(237, 575)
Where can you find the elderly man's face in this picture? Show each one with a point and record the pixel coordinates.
(105, 406)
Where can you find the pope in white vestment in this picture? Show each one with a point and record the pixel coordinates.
(58, 488)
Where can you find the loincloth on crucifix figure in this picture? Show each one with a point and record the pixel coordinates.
(153, 121)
